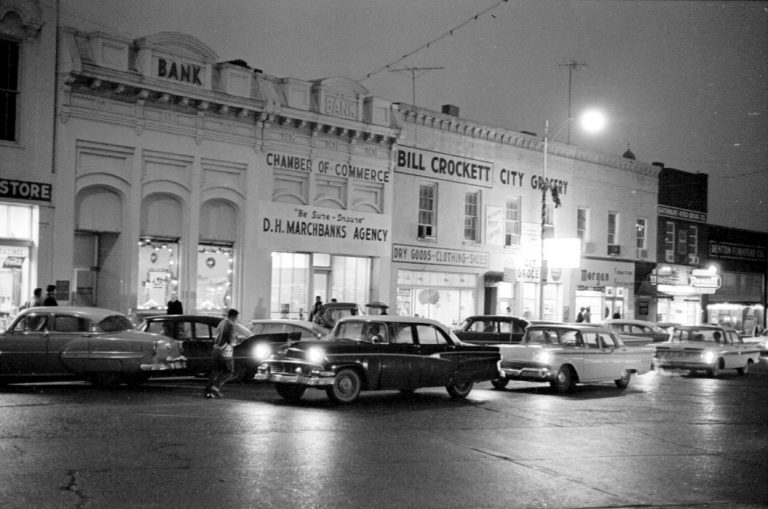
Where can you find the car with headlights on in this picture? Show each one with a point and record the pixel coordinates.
(306, 330)
(708, 348)
(491, 329)
(197, 333)
(380, 352)
(566, 354)
(84, 343)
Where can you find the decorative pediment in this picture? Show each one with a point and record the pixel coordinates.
(339, 97)
(176, 58)
(178, 44)
(28, 11)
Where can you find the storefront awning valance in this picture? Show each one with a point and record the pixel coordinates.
(494, 277)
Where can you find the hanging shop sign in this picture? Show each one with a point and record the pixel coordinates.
(444, 166)
(438, 256)
(705, 281)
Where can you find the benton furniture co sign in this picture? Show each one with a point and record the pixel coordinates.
(329, 230)
(22, 190)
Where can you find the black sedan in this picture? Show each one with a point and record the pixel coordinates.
(491, 329)
(197, 333)
(367, 353)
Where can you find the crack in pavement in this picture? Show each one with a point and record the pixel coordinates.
(74, 488)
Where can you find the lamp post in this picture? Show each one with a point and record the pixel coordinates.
(591, 121)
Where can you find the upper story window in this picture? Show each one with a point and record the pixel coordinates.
(641, 233)
(613, 228)
(582, 223)
(669, 236)
(693, 240)
(427, 211)
(512, 224)
(471, 215)
(9, 89)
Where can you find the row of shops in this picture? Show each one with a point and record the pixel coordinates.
(174, 173)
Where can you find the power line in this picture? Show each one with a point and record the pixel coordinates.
(413, 70)
(428, 44)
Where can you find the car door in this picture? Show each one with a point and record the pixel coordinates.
(573, 350)
(71, 333)
(399, 359)
(438, 358)
(198, 345)
(25, 346)
(738, 350)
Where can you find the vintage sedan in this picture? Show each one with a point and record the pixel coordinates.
(307, 330)
(637, 332)
(708, 348)
(197, 333)
(99, 345)
(567, 354)
(491, 329)
(380, 352)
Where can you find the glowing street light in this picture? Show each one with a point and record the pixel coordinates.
(591, 121)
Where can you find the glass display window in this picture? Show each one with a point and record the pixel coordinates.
(214, 277)
(158, 272)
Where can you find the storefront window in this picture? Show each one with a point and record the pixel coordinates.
(17, 240)
(290, 285)
(443, 296)
(158, 272)
(214, 277)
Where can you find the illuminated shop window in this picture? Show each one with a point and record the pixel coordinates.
(158, 272)
(214, 276)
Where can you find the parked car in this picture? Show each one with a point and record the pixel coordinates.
(85, 343)
(307, 330)
(708, 348)
(491, 329)
(367, 353)
(197, 332)
(567, 354)
(331, 312)
(637, 332)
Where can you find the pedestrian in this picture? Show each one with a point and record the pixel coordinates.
(580, 316)
(50, 296)
(222, 358)
(316, 308)
(36, 300)
(588, 315)
(616, 315)
(174, 305)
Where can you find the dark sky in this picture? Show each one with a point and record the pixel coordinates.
(682, 82)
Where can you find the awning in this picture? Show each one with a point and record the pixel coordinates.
(493, 277)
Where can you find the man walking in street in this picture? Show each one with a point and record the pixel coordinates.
(223, 361)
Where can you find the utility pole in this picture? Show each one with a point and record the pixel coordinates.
(413, 71)
(572, 65)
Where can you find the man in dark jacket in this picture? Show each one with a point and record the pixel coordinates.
(50, 296)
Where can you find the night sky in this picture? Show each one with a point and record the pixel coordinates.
(684, 83)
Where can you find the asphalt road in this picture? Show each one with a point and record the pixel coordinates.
(666, 441)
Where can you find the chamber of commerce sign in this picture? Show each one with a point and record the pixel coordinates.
(444, 166)
(326, 167)
(438, 256)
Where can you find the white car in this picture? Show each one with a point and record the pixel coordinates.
(708, 348)
(308, 330)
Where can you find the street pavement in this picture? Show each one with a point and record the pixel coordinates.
(668, 440)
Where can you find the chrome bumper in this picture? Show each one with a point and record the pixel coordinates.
(313, 379)
(169, 364)
(536, 374)
(681, 364)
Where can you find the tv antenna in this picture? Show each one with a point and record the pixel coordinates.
(414, 71)
(572, 66)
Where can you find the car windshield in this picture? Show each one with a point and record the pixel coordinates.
(368, 332)
(699, 335)
(115, 323)
(543, 337)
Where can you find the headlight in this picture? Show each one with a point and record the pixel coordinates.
(543, 357)
(262, 351)
(316, 355)
(708, 357)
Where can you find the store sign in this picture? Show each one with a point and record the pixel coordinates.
(438, 256)
(690, 215)
(327, 167)
(703, 279)
(736, 251)
(22, 190)
(595, 273)
(494, 226)
(327, 230)
(444, 166)
(12, 257)
(181, 72)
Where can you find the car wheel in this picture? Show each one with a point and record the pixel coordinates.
(290, 392)
(717, 369)
(346, 386)
(459, 390)
(743, 371)
(624, 380)
(499, 383)
(563, 382)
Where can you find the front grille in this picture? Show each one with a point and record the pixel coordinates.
(520, 364)
(679, 355)
(285, 368)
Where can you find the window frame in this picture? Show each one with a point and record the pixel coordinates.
(10, 123)
(612, 228)
(427, 217)
(512, 222)
(472, 217)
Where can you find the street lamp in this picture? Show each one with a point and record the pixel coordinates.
(592, 121)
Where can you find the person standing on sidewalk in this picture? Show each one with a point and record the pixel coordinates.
(223, 362)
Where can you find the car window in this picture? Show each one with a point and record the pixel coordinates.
(375, 332)
(607, 341)
(590, 339)
(349, 330)
(404, 334)
(115, 323)
(429, 335)
(155, 327)
(31, 323)
(70, 324)
(542, 337)
(571, 338)
(505, 327)
(203, 332)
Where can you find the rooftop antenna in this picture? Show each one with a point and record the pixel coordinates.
(413, 71)
(572, 65)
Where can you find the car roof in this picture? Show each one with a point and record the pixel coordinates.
(92, 313)
(570, 326)
(199, 318)
(630, 321)
(496, 317)
(391, 319)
